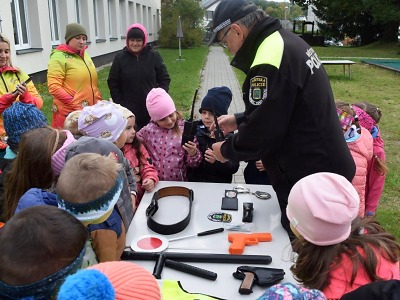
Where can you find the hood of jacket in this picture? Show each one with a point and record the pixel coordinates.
(141, 27)
(87, 144)
(67, 49)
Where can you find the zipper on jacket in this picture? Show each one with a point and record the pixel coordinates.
(91, 81)
(4, 82)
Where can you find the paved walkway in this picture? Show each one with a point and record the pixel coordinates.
(218, 72)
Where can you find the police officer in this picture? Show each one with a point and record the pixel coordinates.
(290, 120)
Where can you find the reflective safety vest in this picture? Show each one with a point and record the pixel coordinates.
(172, 290)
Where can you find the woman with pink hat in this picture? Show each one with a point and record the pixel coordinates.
(135, 71)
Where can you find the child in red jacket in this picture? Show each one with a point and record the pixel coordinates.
(134, 151)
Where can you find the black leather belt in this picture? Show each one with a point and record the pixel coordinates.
(153, 207)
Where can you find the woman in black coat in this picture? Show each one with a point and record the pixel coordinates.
(134, 72)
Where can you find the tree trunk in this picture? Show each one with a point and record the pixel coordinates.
(390, 32)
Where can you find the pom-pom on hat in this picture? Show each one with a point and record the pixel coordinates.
(86, 285)
(159, 104)
(228, 12)
(217, 100)
(321, 208)
(102, 120)
(130, 281)
(74, 29)
(289, 291)
(21, 117)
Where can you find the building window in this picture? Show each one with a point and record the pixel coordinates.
(99, 20)
(139, 14)
(78, 11)
(96, 18)
(112, 19)
(20, 22)
(54, 22)
(122, 23)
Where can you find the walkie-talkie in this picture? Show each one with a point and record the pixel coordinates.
(219, 135)
(190, 127)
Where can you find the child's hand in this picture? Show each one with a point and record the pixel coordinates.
(133, 198)
(209, 156)
(217, 152)
(190, 147)
(148, 184)
(260, 166)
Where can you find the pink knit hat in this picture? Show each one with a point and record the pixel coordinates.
(102, 120)
(58, 158)
(321, 208)
(130, 281)
(159, 104)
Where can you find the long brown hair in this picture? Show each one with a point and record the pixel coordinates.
(32, 166)
(314, 263)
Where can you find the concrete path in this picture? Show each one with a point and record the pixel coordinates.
(218, 72)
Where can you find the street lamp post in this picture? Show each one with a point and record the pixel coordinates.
(286, 10)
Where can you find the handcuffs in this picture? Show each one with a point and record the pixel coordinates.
(259, 194)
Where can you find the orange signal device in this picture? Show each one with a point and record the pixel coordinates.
(241, 240)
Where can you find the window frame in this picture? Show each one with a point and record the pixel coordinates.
(54, 18)
(18, 25)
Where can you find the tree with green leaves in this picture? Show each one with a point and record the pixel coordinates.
(370, 19)
(192, 23)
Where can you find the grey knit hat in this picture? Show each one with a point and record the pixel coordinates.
(74, 29)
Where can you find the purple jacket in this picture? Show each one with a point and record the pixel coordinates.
(166, 152)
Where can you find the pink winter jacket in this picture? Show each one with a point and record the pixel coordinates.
(339, 277)
(164, 147)
(376, 181)
(142, 170)
(362, 152)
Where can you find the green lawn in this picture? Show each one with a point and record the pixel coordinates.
(378, 86)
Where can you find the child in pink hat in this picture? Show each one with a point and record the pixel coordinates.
(337, 251)
(145, 173)
(163, 136)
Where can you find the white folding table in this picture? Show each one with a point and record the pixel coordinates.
(207, 199)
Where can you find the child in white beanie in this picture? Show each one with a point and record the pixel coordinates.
(337, 252)
(135, 152)
(163, 136)
(105, 121)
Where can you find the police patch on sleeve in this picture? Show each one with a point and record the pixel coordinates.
(258, 90)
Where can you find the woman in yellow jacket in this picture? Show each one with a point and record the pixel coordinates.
(13, 87)
(71, 75)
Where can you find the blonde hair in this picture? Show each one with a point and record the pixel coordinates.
(71, 122)
(86, 177)
(4, 39)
